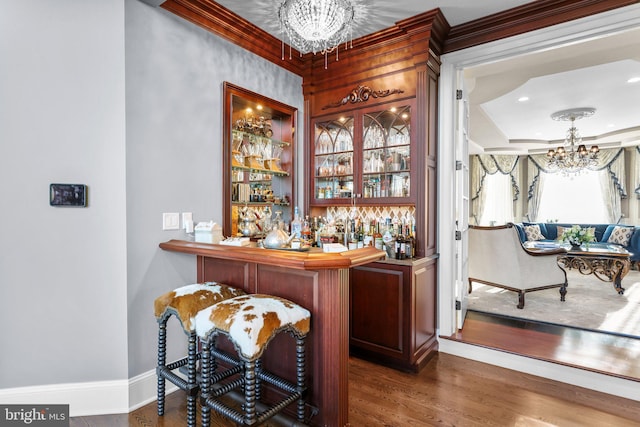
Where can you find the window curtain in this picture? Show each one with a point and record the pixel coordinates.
(610, 162)
(483, 165)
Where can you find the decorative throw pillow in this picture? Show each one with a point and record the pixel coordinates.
(621, 235)
(533, 232)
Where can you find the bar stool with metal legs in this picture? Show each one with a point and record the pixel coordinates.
(184, 303)
(250, 322)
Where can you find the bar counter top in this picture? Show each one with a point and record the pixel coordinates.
(314, 259)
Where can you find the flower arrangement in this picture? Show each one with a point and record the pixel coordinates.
(577, 235)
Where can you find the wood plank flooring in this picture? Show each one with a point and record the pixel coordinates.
(453, 391)
(605, 353)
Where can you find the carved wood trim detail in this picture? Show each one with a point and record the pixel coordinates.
(525, 18)
(362, 94)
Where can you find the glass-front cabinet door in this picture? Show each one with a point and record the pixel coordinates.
(258, 150)
(333, 161)
(363, 158)
(386, 153)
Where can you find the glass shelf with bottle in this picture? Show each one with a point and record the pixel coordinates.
(334, 187)
(256, 153)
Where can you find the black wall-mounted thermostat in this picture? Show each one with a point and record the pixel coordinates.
(72, 195)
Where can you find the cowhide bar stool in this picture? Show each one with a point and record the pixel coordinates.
(184, 303)
(250, 322)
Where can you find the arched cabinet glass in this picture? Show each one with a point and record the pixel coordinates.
(363, 157)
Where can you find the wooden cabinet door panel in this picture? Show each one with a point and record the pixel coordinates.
(377, 309)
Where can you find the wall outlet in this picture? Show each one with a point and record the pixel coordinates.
(171, 221)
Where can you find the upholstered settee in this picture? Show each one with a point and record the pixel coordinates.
(497, 258)
(626, 236)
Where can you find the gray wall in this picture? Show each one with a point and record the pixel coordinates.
(63, 281)
(77, 285)
(174, 75)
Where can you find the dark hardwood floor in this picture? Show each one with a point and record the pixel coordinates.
(610, 354)
(453, 391)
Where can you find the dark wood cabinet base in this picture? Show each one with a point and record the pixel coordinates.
(392, 319)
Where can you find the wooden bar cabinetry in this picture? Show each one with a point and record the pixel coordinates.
(392, 318)
(315, 280)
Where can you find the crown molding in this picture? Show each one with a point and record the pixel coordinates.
(522, 19)
(224, 23)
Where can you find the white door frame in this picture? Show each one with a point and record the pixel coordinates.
(593, 27)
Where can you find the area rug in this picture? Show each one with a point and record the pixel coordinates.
(589, 304)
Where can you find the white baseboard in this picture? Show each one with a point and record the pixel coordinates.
(96, 398)
(566, 374)
(143, 389)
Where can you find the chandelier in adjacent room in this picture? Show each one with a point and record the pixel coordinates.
(574, 156)
(316, 25)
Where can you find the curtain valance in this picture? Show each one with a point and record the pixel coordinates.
(490, 164)
(610, 161)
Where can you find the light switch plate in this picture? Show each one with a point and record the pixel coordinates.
(186, 216)
(171, 221)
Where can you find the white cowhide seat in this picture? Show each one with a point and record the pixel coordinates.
(184, 303)
(250, 322)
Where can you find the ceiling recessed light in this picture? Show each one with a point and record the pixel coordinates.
(611, 125)
(633, 80)
(523, 99)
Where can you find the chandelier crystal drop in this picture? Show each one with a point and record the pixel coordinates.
(316, 25)
(572, 158)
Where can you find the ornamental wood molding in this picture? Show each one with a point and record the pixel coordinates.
(442, 38)
(362, 94)
(522, 19)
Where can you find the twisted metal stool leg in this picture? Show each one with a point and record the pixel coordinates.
(192, 385)
(300, 376)
(162, 361)
(205, 389)
(258, 392)
(250, 416)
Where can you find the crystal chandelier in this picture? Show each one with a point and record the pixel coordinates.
(316, 25)
(572, 160)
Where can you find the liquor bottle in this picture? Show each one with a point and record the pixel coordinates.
(296, 224)
(306, 231)
(314, 231)
(352, 242)
(387, 236)
(360, 237)
(400, 246)
(368, 235)
(408, 242)
(377, 238)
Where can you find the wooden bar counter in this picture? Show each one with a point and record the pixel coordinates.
(317, 281)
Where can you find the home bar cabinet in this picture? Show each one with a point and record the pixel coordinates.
(371, 121)
(398, 65)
